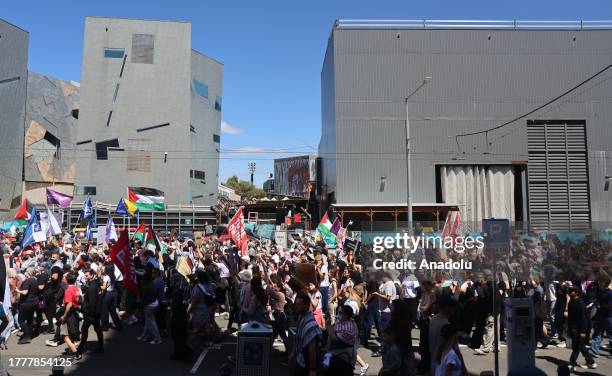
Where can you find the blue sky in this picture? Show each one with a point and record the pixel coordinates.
(272, 52)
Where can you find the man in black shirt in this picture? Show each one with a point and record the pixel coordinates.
(577, 327)
(29, 301)
(92, 311)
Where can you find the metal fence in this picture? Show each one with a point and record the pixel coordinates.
(179, 217)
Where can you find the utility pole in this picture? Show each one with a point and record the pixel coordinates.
(408, 157)
(252, 170)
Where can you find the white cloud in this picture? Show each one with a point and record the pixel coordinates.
(226, 128)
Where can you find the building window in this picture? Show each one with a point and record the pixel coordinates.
(200, 88)
(196, 174)
(143, 48)
(85, 190)
(139, 155)
(102, 148)
(218, 102)
(192, 129)
(216, 138)
(116, 92)
(114, 53)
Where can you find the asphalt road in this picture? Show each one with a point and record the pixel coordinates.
(124, 355)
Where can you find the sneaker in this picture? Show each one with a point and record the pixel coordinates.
(479, 352)
(561, 345)
(77, 356)
(141, 339)
(51, 343)
(15, 330)
(375, 354)
(592, 365)
(363, 370)
(24, 341)
(155, 342)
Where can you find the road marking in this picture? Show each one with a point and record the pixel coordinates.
(199, 361)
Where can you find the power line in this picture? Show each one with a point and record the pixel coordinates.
(486, 131)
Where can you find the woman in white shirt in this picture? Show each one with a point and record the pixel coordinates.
(449, 361)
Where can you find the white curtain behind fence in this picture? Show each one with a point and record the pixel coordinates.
(479, 191)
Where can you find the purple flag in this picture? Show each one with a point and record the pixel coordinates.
(56, 198)
(335, 226)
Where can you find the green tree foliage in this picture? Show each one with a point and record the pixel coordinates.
(245, 189)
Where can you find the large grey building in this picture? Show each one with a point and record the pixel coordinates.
(548, 165)
(150, 112)
(52, 112)
(13, 86)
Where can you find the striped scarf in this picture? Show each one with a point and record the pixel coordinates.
(307, 331)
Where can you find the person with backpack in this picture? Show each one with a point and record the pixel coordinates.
(92, 309)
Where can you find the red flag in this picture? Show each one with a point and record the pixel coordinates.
(24, 211)
(122, 257)
(236, 231)
(447, 230)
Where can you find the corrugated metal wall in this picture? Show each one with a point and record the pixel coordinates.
(480, 78)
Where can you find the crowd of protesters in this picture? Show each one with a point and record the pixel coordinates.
(336, 305)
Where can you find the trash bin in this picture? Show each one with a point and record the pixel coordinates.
(253, 350)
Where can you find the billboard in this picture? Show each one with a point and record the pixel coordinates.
(291, 175)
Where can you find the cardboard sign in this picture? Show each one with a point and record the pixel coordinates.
(306, 273)
(281, 238)
(198, 237)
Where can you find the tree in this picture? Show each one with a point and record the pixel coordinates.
(245, 189)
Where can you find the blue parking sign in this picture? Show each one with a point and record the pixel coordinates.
(496, 232)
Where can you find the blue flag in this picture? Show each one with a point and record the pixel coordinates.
(33, 226)
(87, 211)
(91, 224)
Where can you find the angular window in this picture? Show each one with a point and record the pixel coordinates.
(102, 148)
(200, 88)
(196, 174)
(55, 142)
(218, 102)
(143, 48)
(192, 128)
(85, 190)
(216, 138)
(114, 53)
(116, 92)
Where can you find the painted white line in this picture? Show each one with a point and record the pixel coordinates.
(199, 361)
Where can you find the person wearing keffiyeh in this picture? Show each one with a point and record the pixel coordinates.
(307, 339)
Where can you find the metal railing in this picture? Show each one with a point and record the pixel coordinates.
(474, 24)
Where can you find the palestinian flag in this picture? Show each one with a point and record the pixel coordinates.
(140, 232)
(325, 228)
(146, 199)
(24, 210)
(152, 241)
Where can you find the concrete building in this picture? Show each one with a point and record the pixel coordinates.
(150, 113)
(546, 166)
(52, 112)
(13, 86)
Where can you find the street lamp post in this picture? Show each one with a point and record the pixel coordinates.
(408, 158)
